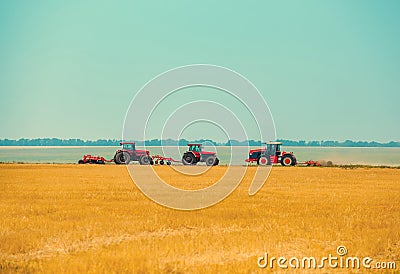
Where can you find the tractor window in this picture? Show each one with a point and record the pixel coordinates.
(194, 148)
(270, 149)
(128, 146)
(278, 150)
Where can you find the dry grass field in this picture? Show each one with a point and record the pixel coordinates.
(87, 218)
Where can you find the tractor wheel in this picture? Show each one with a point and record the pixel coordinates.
(122, 158)
(81, 162)
(210, 161)
(287, 160)
(161, 162)
(168, 163)
(216, 162)
(262, 161)
(188, 159)
(144, 160)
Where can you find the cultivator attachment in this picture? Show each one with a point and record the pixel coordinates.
(309, 163)
(89, 159)
(158, 159)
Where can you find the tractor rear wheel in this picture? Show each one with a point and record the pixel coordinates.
(210, 161)
(188, 159)
(287, 160)
(144, 160)
(262, 161)
(122, 158)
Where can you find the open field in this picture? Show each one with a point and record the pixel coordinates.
(89, 218)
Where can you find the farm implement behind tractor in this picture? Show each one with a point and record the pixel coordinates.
(89, 159)
(158, 159)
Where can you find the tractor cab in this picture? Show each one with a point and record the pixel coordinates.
(273, 151)
(195, 147)
(274, 148)
(128, 146)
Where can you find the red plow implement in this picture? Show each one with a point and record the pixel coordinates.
(158, 159)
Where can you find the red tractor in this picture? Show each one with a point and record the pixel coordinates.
(129, 153)
(272, 154)
(195, 154)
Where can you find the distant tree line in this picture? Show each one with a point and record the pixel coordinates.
(347, 143)
(115, 142)
(58, 142)
(183, 142)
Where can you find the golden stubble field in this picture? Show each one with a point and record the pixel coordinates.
(87, 218)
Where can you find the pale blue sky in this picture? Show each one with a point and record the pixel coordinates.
(327, 69)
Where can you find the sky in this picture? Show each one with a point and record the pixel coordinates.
(328, 70)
